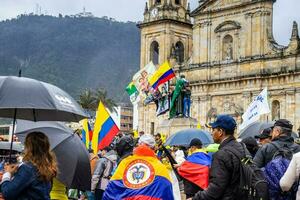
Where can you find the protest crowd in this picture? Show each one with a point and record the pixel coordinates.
(104, 163)
(262, 167)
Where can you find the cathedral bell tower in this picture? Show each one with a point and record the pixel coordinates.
(166, 31)
(166, 34)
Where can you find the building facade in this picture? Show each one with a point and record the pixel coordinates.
(123, 117)
(228, 54)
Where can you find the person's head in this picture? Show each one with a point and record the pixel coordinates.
(141, 133)
(195, 144)
(124, 145)
(120, 134)
(223, 127)
(37, 151)
(251, 145)
(281, 127)
(182, 76)
(91, 150)
(148, 140)
(264, 137)
(141, 80)
(157, 137)
(103, 151)
(144, 74)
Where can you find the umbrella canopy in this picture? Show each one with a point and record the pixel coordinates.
(17, 147)
(254, 129)
(184, 137)
(36, 101)
(72, 156)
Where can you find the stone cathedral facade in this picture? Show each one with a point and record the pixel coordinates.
(227, 52)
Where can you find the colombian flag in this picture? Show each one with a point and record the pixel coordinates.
(86, 133)
(196, 168)
(140, 178)
(162, 75)
(105, 129)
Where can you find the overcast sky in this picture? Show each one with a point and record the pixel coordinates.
(285, 11)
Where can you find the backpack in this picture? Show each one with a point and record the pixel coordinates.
(253, 185)
(107, 174)
(274, 171)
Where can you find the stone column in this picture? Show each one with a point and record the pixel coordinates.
(297, 109)
(204, 107)
(290, 104)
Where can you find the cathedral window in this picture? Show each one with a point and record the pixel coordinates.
(275, 110)
(227, 48)
(179, 49)
(157, 1)
(154, 52)
(177, 2)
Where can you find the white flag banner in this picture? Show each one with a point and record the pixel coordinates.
(257, 107)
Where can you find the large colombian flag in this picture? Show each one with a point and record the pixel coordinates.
(196, 168)
(86, 133)
(161, 75)
(140, 178)
(105, 129)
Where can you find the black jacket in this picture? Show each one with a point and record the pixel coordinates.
(224, 173)
(266, 152)
(190, 189)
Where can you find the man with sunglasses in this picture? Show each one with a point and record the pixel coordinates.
(281, 138)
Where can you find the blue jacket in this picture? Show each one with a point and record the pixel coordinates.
(25, 185)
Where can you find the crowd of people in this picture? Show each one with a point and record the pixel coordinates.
(144, 168)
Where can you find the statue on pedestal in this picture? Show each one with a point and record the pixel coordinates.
(180, 99)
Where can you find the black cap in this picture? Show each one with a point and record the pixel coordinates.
(195, 142)
(266, 133)
(284, 124)
(250, 142)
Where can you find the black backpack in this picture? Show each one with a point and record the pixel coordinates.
(253, 185)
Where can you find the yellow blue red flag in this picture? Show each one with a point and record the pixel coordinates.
(196, 168)
(161, 75)
(86, 133)
(140, 177)
(105, 129)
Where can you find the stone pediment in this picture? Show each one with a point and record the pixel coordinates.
(210, 5)
(227, 26)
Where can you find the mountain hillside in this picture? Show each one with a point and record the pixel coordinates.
(72, 53)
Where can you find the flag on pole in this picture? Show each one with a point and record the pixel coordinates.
(161, 75)
(86, 133)
(132, 92)
(257, 107)
(105, 129)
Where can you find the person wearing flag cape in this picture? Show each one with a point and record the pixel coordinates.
(195, 169)
(140, 176)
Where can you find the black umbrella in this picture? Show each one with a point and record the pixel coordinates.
(25, 98)
(71, 154)
(184, 137)
(254, 129)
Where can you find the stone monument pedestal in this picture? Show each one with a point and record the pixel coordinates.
(171, 126)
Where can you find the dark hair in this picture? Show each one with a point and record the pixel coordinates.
(91, 150)
(198, 146)
(158, 134)
(107, 149)
(229, 132)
